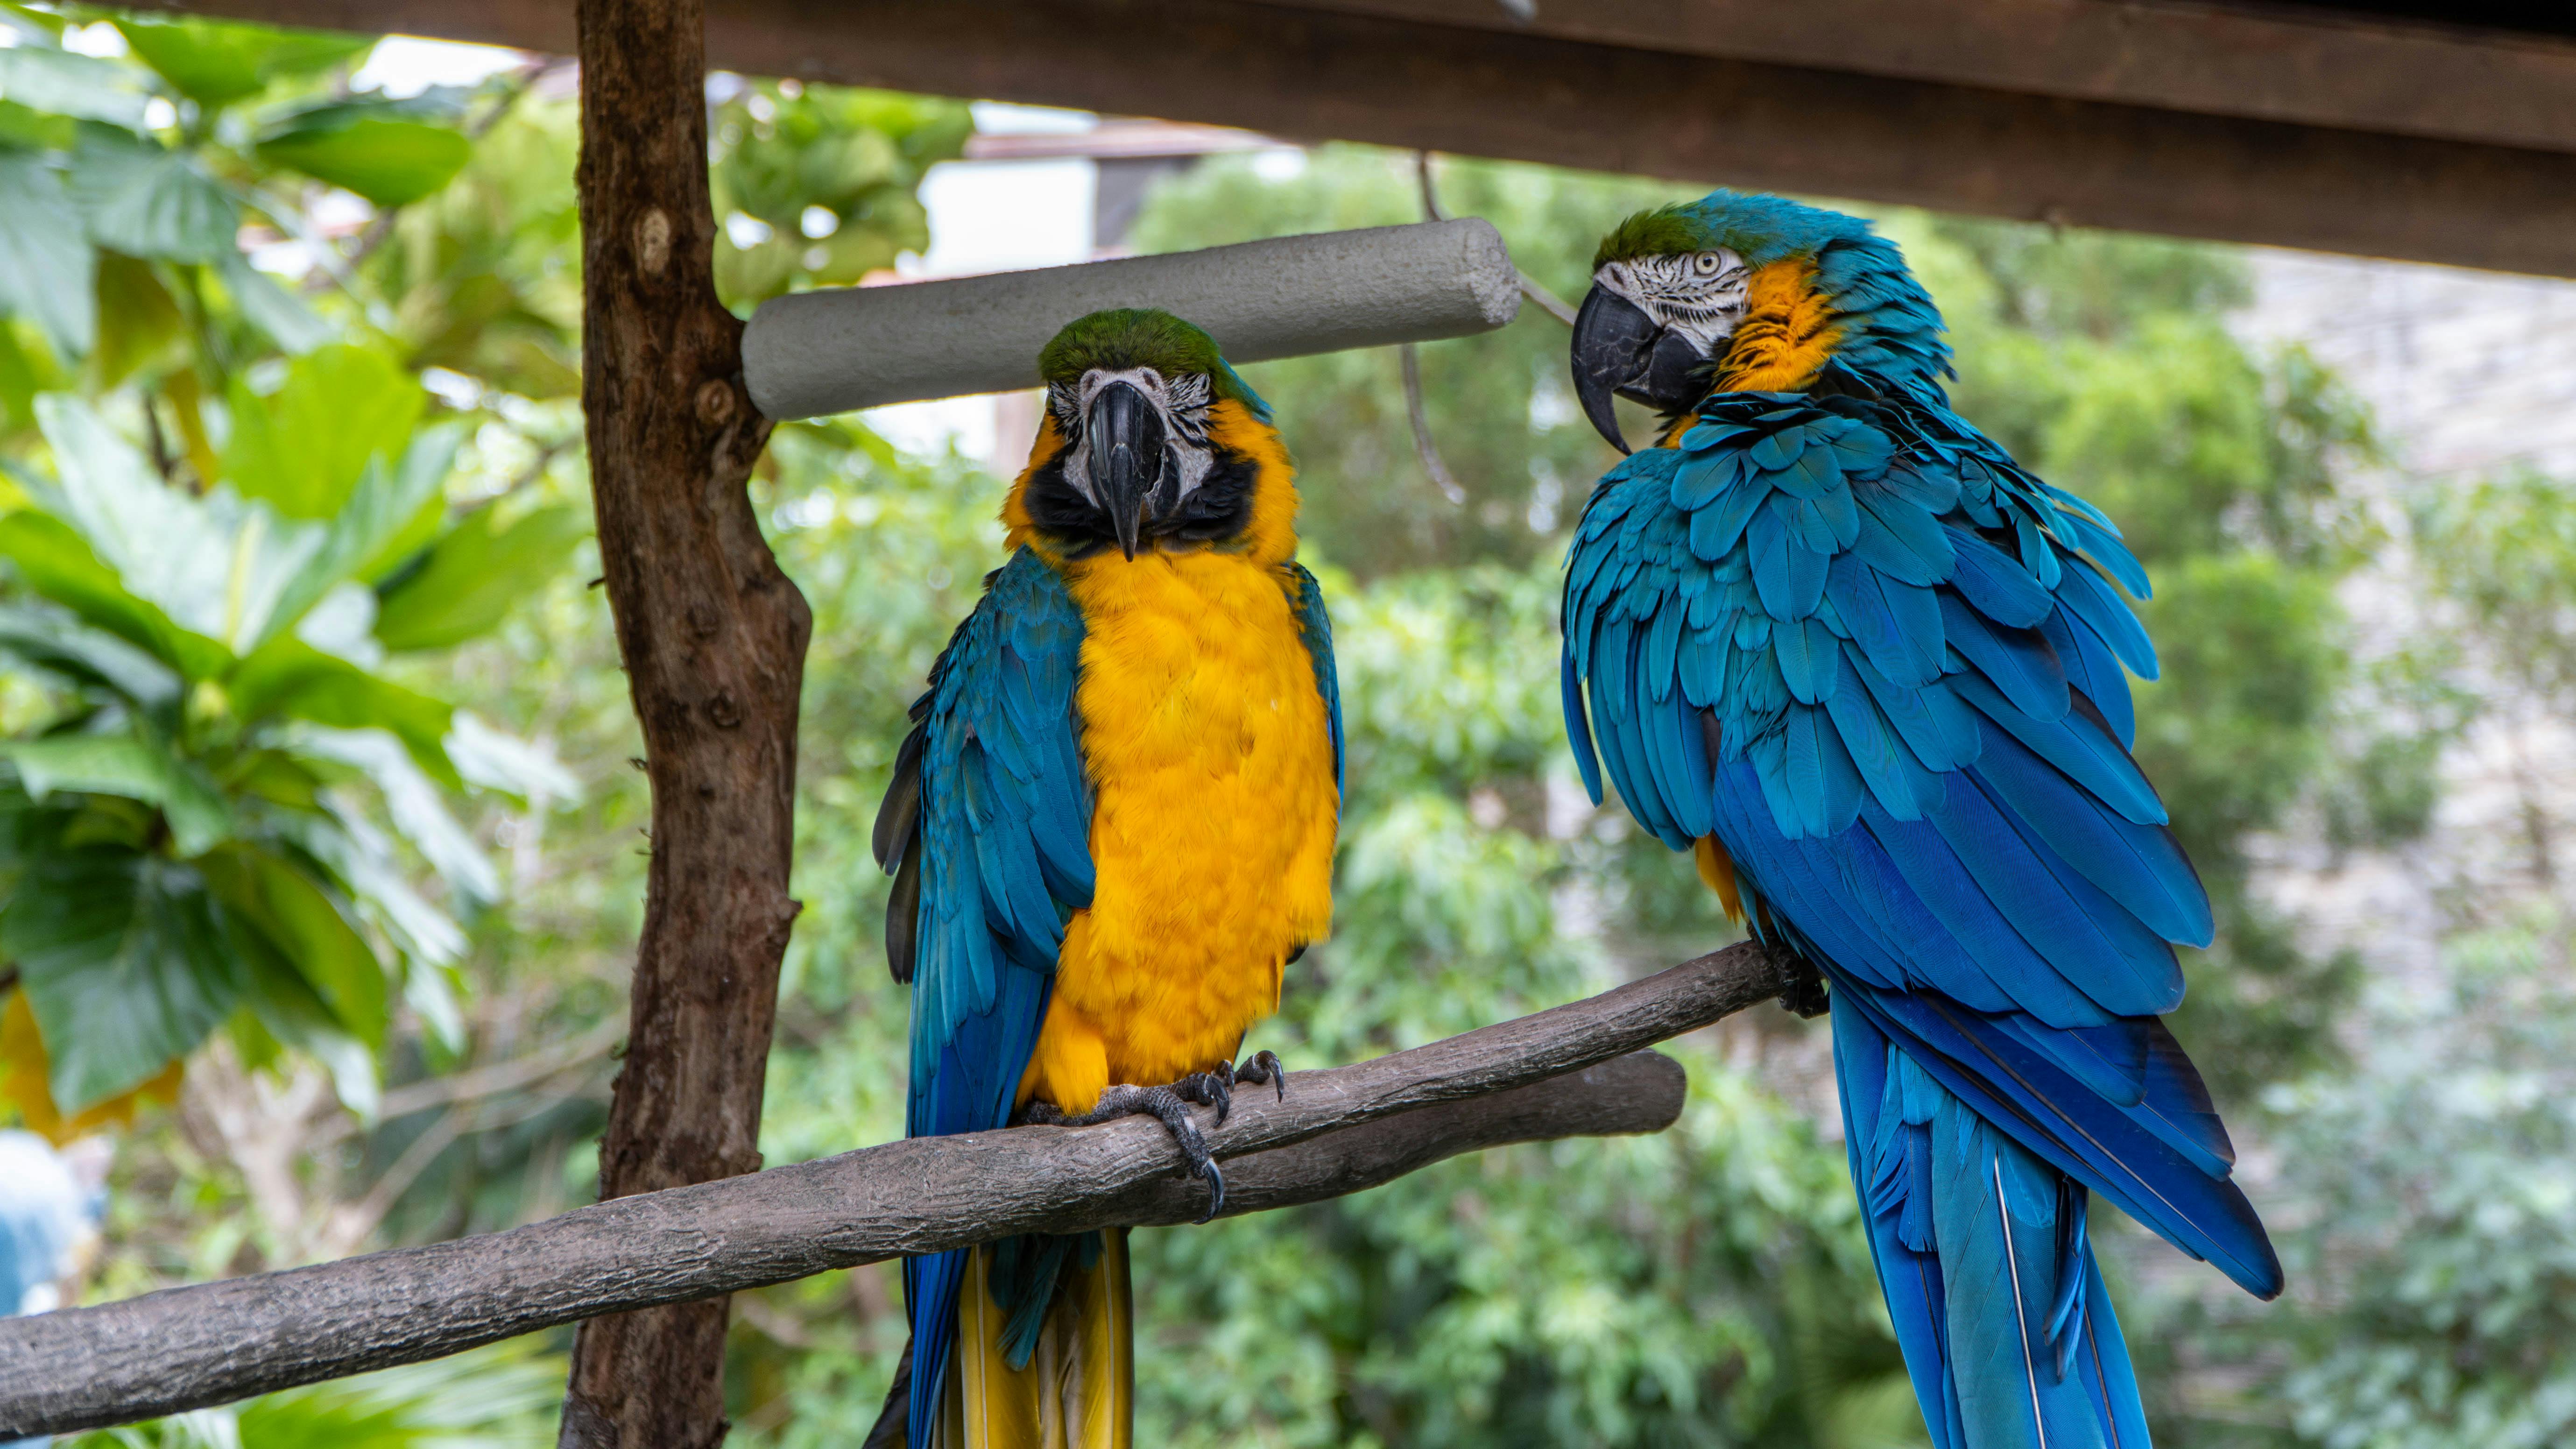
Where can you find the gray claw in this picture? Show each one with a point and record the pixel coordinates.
(1262, 1069)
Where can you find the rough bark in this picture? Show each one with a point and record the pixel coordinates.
(1562, 1072)
(713, 638)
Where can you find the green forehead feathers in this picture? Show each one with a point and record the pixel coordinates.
(1761, 229)
(1142, 337)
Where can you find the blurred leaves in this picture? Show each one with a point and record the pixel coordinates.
(499, 1397)
(814, 185)
(390, 152)
(216, 63)
(2438, 1195)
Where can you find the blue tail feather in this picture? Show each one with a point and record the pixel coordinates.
(1987, 1269)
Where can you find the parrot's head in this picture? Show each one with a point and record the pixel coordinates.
(1150, 441)
(1741, 292)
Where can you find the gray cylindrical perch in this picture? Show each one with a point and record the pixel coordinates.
(856, 347)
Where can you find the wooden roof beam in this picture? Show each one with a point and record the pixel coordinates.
(1293, 70)
(2318, 69)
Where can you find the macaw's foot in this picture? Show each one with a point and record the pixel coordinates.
(1171, 1107)
(1215, 1087)
(1806, 995)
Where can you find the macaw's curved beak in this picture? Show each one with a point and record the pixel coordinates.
(1127, 444)
(1614, 345)
(1619, 351)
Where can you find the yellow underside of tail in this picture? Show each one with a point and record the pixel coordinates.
(1717, 871)
(1079, 1390)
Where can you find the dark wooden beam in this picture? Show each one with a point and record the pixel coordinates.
(2311, 68)
(1299, 71)
(713, 639)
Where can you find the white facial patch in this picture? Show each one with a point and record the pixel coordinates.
(1182, 403)
(1700, 295)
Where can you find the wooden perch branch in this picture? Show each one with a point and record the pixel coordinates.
(1561, 1072)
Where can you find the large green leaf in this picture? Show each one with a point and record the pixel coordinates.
(363, 859)
(137, 769)
(217, 566)
(50, 275)
(146, 200)
(216, 63)
(390, 511)
(139, 322)
(59, 565)
(415, 803)
(67, 83)
(298, 917)
(475, 575)
(123, 958)
(59, 643)
(288, 1012)
(270, 307)
(288, 678)
(302, 447)
(390, 152)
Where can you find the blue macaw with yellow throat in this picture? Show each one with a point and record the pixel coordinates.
(1110, 829)
(1836, 643)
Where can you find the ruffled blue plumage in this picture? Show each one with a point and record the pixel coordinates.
(1846, 635)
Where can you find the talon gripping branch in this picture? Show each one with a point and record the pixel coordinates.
(1110, 829)
(1835, 642)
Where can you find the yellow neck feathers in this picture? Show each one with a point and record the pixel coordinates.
(1787, 332)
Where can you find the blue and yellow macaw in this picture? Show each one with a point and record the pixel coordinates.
(1110, 828)
(1836, 643)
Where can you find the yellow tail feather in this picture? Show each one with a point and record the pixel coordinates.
(1717, 871)
(1079, 1390)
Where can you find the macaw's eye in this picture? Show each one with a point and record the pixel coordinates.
(1706, 264)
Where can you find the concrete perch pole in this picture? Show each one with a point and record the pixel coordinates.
(856, 347)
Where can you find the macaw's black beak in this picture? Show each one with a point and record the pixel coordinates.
(1126, 437)
(1614, 345)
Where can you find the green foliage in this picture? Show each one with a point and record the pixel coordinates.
(500, 1397)
(87, 180)
(814, 185)
(2503, 553)
(185, 835)
(2437, 1188)
(390, 152)
(484, 278)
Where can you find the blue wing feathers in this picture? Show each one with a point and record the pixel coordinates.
(1315, 628)
(1913, 665)
(1004, 822)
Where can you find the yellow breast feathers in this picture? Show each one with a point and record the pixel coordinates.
(1214, 800)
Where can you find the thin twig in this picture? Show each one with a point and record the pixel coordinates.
(352, 1224)
(485, 1081)
(1410, 357)
(1548, 302)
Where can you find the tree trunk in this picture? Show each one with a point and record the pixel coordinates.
(713, 637)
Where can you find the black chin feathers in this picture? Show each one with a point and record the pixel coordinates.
(1214, 513)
